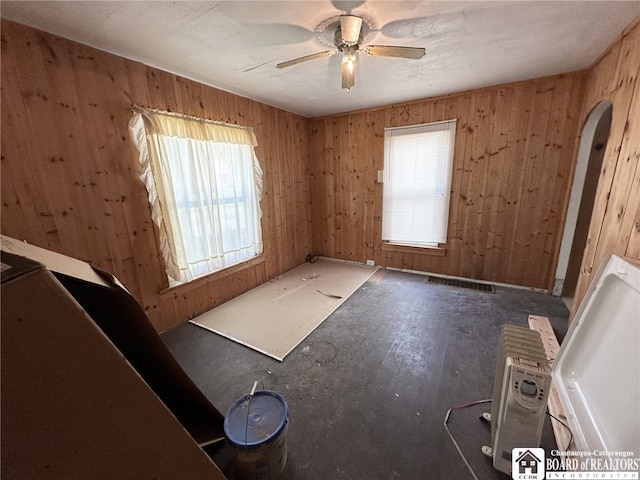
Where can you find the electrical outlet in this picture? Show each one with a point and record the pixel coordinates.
(370, 263)
(380, 176)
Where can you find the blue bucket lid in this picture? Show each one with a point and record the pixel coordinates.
(253, 421)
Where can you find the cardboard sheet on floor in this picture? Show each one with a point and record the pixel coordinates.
(276, 316)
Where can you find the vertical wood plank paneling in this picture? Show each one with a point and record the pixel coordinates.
(43, 110)
(368, 178)
(143, 234)
(17, 193)
(375, 120)
(570, 117)
(76, 190)
(623, 128)
(70, 174)
(551, 192)
(480, 166)
(528, 232)
(513, 151)
(628, 207)
(629, 220)
(97, 105)
(500, 226)
(633, 244)
(496, 170)
(461, 178)
(513, 213)
(615, 220)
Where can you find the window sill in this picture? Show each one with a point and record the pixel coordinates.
(433, 251)
(213, 276)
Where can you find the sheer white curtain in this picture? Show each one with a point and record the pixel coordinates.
(205, 186)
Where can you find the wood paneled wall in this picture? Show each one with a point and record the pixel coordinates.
(615, 221)
(70, 174)
(514, 153)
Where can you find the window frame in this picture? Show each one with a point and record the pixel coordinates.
(208, 148)
(449, 129)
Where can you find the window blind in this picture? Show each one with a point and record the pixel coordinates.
(417, 183)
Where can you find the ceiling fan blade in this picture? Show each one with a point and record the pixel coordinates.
(350, 26)
(306, 58)
(389, 51)
(348, 75)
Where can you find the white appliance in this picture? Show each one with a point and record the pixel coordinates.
(596, 374)
(521, 389)
(597, 370)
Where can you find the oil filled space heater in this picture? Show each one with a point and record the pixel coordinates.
(521, 388)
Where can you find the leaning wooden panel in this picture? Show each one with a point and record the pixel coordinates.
(551, 346)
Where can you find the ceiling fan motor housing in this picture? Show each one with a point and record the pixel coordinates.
(341, 44)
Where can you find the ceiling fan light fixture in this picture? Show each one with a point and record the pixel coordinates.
(350, 65)
(348, 77)
(347, 70)
(347, 39)
(349, 57)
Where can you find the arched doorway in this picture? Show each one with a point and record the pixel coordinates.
(593, 142)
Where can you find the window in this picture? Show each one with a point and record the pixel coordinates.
(417, 183)
(205, 185)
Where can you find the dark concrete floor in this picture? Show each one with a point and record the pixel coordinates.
(369, 388)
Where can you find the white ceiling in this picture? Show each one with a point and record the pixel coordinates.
(235, 45)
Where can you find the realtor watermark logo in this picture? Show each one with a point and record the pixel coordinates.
(594, 465)
(534, 464)
(527, 464)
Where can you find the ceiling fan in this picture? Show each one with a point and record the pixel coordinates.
(347, 39)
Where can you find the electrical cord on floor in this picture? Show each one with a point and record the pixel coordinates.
(565, 426)
(455, 443)
(467, 405)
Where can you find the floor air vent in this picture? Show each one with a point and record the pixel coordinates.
(452, 282)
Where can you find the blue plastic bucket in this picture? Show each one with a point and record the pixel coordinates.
(256, 431)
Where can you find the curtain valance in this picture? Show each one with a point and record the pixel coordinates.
(184, 126)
